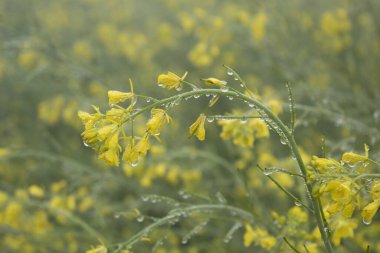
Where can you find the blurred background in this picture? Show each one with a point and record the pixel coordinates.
(58, 57)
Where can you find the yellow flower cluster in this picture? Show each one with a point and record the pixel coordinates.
(243, 133)
(337, 185)
(259, 237)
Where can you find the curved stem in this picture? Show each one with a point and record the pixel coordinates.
(177, 213)
(264, 110)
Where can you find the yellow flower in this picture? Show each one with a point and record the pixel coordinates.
(259, 236)
(98, 249)
(115, 97)
(343, 229)
(260, 128)
(268, 242)
(338, 190)
(370, 210)
(130, 153)
(276, 106)
(158, 118)
(111, 157)
(143, 145)
(214, 81)
(323, 164)
(171, 81)
(36, 191)
(198, 128)
(249, 235)
(106, 131)
(352, 159)
(375, 190)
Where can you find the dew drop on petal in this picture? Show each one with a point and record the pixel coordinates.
(366, 222)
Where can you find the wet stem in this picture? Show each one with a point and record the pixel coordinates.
(316, 205)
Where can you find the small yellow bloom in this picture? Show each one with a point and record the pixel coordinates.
(352, 158)
(198, 128)
(375, 190)
(158, 118)
(143, 145)
(323, 164)
(171, 80)
(115, 97)
(111, 157)
(214, 81)
(36, 191)
(249, 235)
(130, 153)
(370, 210)
(105, 131)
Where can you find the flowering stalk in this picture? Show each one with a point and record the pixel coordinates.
(285, 133)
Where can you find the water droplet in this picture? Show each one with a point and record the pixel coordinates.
(210, 119)
(251, 105)
(85, 144)
(184, 241)
(283, 141)
(148, 100)
(117, 216)
(230, 73)
(297, 203)
(160, 84)
(235, 78)
(366, 222)
(179, 88)
(140, 218)
(267, 172)
(145, 198)
(244, 120)
(376, 115)
(230, 98)
(224, 89)
(184, 195)
(220, 197)
(242, 85)
(134, 164)
(197, 96)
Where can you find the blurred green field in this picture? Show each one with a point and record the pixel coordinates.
(59, 57)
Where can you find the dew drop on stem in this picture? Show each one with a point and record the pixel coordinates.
(224, 89)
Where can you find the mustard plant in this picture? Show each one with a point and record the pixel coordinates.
(333, 188)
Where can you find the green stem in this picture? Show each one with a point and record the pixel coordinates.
(177, 213)
(283, 128)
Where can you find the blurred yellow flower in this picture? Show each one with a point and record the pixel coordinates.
(343, 228)
(370, 210)
(198, 128)
(36, 191)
